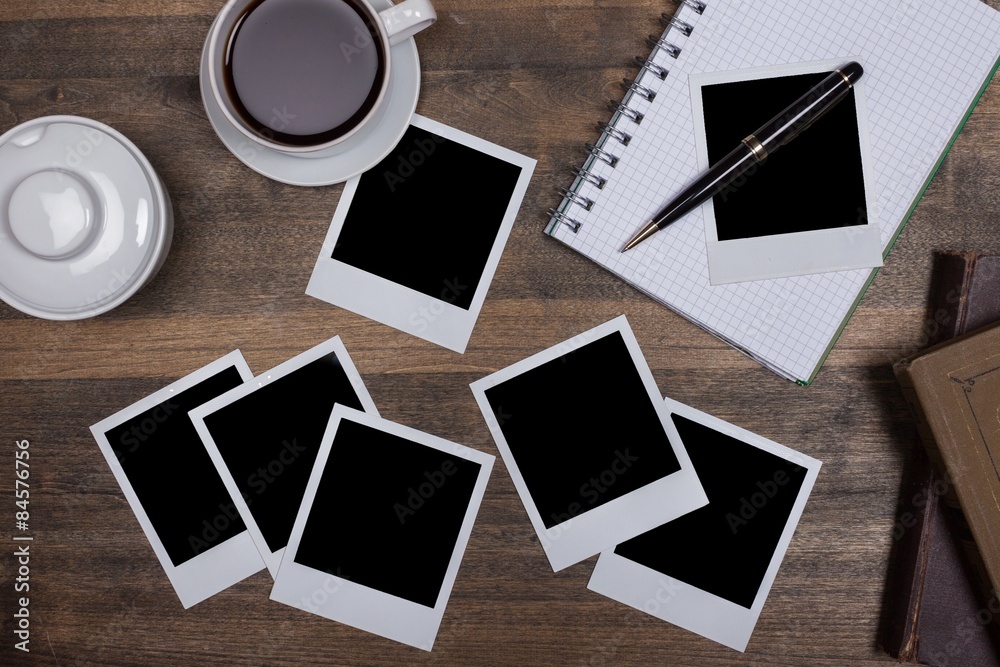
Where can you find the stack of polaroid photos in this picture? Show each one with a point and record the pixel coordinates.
(358, 519)
(691, 515)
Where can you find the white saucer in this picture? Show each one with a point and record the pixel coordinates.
(359, 153)
(84, 220)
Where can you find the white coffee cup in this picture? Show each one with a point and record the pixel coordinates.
(329, 55)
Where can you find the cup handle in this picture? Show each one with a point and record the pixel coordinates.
(407, 19)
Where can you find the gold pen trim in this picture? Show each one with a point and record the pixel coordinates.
(757, 148)
(642, 235)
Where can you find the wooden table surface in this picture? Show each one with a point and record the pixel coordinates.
(531, 75)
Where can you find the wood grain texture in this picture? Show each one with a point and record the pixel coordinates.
(534, 76)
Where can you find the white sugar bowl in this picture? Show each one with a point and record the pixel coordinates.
(85, 221)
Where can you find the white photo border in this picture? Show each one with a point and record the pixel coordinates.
(799, 253)
(399, 306)
(220, 566)
(623, 518)
(356, 605)
(685, 605)
(271, 558)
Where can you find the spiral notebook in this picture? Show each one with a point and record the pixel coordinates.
(926, 66)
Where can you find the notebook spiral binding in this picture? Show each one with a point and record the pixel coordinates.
(616, 135)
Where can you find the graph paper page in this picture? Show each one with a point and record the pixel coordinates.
(925, 64)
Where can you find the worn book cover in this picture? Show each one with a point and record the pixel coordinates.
(954, 390)
(935, 594)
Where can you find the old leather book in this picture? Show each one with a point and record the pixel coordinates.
(940, 609)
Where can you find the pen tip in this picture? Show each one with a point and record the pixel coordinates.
(643, 234)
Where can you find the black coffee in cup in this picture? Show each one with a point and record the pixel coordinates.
(304, 72)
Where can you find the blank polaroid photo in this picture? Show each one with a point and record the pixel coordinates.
(263, 437)
(173, 488)
(383, 525)
(807, 208)
(416, 239)
(587, 440)
(710, 571)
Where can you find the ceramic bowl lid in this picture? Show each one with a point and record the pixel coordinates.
(84, 220)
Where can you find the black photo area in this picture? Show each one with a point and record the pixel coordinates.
(172, 474)
(814, 182)
(427, 216)
(725, 547)
(387, 513)
(269, 440)
(582, 429)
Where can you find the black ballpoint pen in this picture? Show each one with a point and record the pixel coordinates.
(777, 132)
